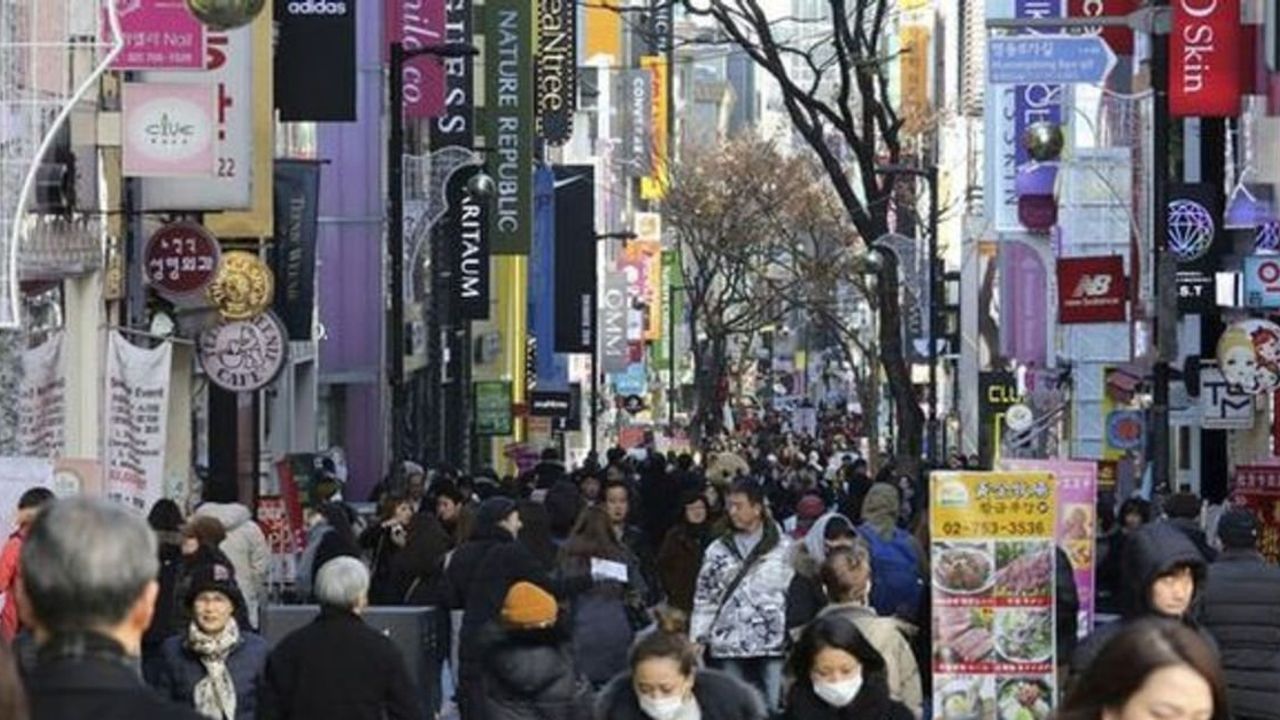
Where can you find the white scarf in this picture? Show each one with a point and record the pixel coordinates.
(215, 695)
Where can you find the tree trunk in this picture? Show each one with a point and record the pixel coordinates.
(910, 419)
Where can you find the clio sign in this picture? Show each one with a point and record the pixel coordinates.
(1204, 59)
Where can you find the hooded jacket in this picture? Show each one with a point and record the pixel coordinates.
(1239, 610)
(719, 697)
(749, 620)
(247, 549)
(529, 675)
(889, 637)
(871, 703)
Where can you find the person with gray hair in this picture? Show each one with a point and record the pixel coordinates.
(338, 667)
(88, 590)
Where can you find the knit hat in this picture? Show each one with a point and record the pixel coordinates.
(810, 507)
(213, 577)
(495, 510)
(1238, 528)
(528, 607)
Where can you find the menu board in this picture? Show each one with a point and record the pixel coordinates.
(1258, 488)
(993, 595)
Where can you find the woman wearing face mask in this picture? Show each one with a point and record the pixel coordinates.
(665, 683)
(839, 676)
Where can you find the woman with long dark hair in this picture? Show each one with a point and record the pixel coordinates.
(1151, 669)
(839, 676)
(383, 542)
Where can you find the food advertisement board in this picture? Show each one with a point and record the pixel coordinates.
(993, 595)
(1258, 488)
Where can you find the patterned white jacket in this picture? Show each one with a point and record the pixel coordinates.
(751, 622)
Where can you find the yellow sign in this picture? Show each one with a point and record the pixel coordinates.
(603, 29)
(244, 287)
(980, 506)
(654, 187)
(914, 65)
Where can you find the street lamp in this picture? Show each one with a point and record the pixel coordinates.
(624, 236)
(930, 175)
(395, 230)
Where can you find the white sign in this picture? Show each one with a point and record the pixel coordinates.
(244, 355)
(1222, 406)
(168, 130)
(42, 400)
(229, 68)
(137, 416)
(18, 475)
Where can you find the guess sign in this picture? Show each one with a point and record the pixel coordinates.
(1205, 73)
(181, 258)
(244, 355)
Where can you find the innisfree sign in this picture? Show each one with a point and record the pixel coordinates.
(1048, 59)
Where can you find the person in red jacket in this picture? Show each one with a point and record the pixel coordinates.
(28, 507)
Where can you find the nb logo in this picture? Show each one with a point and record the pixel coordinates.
(1093, 286)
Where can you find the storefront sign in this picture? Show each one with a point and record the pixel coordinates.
(551, 369)
(575, 258)
(1222, 405)
(244, 355)
(998, 391)
(158, 35)
(1194, 214)
(993, 569)
(42, 400)
(1091, 290)
(509, 90)
(654, 185)
(556, 72)
(493, 408)
(615, 306)
(181, 258)
(168, 130)
(456, 123)
(1249, 355)
(293, 256)
(635, 88)
(315, 60)
(465, 226)
(244, 286)
(415, 24)
(1262, 281)
(545, 403)
(137, 416)
(1258, 488)
(1205, 73)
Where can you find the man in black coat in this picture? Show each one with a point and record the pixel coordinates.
(338, 667)
(89, 623)
(1239, 610)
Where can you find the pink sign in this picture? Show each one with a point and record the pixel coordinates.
(1077, 482)
(159, 35)
(416, 24)
(169, 130)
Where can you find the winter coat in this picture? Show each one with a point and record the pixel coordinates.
(719, 696)
(889, 637)
(636, 542)
(180, 618)
(337, 668)
(182, 669)
(871, 703)
(247, 549)
(1191, 528)
(679, 560)
(8, 580)
(602, 632)
(381, 549)
(1239, 610)
(529, 675)
(418, 569)
(750, 621)
(1149, 552)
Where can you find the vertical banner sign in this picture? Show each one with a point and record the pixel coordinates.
(493, 408)
(42, 400)
(575, 288)
(660, 27)
(1205, 73)
(615, 306)
(1119, 38)
(556, 69)
(158, 35)
(416, 24)
(315, 68)
(466, 228)
(456, 123)
(998, 391)
(635, 87)
(666, 340)
(1077, 485)
(552, 368)
(914, 66)
(509, 95)
(603, 31)
(993, 565)
(137, 415)
(654, 186)
(1258, 488)
(293, 256)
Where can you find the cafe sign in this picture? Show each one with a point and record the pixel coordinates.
(244, 355)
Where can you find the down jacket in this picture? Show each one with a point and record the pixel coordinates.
(1239, 610)
(529, 675)
(247, 549)
(719, 696)
(750, 619)
(182, 669)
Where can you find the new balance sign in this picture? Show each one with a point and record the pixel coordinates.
(1092, 290)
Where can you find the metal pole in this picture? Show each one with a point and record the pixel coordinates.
(1164, 278)
(595, 383)
(671, 359)
(395, 248)
(931, 176)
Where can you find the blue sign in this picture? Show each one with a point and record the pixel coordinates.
(1048, 59)
(1262, 281)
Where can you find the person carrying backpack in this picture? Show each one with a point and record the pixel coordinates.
(897, 578)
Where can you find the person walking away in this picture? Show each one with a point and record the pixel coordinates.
(29, 505)
(337, 667)
(215, 666)
(617, 503)
(740, 602)
(839, 675)
(897, 580)
(529, 663)
(165, 520)
(417, 571)
(89, 623)
(601, 616)
(329, 536)
(1183, 510)
(1238, 610)
(382, 543)
(247, 548)
(847, 576)
(680, 556)
(1152, 669)
(806, 595)
(666, 682)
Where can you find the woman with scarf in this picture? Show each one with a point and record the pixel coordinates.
(839, 676)
(680, 556)
(215, 665)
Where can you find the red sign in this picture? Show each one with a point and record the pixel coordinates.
(1092, 290)
(1258, 488)
(181, 258)
(1119, 38)
(415, 24)
(1204, 59)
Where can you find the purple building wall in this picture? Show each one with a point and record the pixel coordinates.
(350, 254)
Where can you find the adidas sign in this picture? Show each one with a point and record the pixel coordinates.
(317, 7)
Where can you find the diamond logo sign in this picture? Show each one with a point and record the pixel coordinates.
(1191, 230)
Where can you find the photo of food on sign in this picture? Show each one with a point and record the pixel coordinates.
(1023, 569)
(962, 635)
(1024, 635)
(967, 697)
(963, 568)
(1025, 699)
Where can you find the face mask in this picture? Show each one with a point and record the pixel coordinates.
(838, 694)
(661, 708)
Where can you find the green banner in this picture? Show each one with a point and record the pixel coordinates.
(493, 408)
(509, 110)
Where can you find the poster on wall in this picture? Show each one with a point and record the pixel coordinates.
(1258, 488)
(993, 595)
(42, 400)
(136, 419)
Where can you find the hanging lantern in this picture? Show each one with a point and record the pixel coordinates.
(226, 14)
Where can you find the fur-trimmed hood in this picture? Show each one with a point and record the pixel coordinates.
(720, 697)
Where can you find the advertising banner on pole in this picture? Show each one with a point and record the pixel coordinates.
(654, 185)
(158, 35)
(635, 88)
(293, 256)
(42, 400)
(456, 124)
(1077, 485)
(465, 225)
(615, 306)
(315, 60)
(1258, 488)
(992, 567)
(575, 286)
(415, 24)
(509, 94)
(137, 415)
(556, 71)
(552, 368)
(1205, 69)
